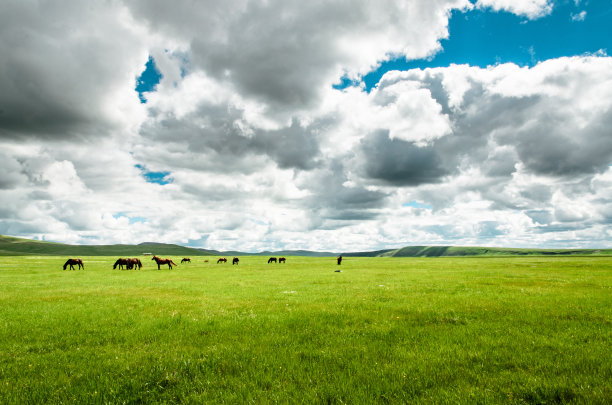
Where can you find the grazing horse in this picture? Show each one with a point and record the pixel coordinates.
(161, 261)
(122, 262)
(186, 259)
(235, 260)
(272, 260)
(133, 263)
(281, 260)
(339, 260)
(74, 262)
(222, 260)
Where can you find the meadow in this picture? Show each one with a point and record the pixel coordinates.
(534, 330)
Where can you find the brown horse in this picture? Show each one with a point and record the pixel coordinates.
(121, 262)
(74, 262)
(222, 260)
(134, 263)
(281, 260)
(161, 261)
(272, 260)
(186, 259)
(235, 260)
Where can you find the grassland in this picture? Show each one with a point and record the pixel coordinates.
(384, 330)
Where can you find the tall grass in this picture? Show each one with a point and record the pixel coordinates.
(384, 330)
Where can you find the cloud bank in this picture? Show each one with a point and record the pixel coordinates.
(264, 153)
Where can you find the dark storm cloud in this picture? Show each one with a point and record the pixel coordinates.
(60, 61)
(332, 199)
(212, 139)
(290, 147)
(553, 146)
(400, 163)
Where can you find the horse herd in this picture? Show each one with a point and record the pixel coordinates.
(136, 264)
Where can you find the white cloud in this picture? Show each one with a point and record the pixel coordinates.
(265, 154)
(531, 9)
(581, 16)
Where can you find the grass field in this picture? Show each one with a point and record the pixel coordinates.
(384, 330)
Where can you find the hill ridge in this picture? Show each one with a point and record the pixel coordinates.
(13, 246)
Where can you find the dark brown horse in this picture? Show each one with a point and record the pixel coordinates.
(74, 262)
(222, 260)
(161, 261)
(134, 263)
(281, 260)
(121, 262)
(235, 260)
(272, 260)
(186, 259)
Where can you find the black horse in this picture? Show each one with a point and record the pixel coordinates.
(272, 260)
(339, 260)
(122, 262)
(186, 259)
(235, 260)
(74, 262)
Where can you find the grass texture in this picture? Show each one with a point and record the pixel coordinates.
(533, 330)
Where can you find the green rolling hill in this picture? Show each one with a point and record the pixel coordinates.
(11, 246)
(455, 251)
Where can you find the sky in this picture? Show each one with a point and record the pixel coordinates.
(332, 126)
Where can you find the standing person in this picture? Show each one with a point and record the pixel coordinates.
(339, 260)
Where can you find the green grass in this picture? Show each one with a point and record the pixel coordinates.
(385, 330)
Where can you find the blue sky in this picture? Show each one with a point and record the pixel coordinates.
(482, 37)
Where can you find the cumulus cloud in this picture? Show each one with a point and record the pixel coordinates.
(265, 154)
(67, 69)
(532, 9)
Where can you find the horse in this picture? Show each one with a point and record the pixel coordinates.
(133, 263)
(122, 262)
(161, 261)
(281, 260)
(74, 262)
(222, 260)
(235, 260)
(339, 260)
(186, 259)
(272, 260)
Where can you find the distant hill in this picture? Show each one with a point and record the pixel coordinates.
(11, 246)
(454, 251)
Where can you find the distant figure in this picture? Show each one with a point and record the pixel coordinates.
(73, 262)
(339, 260)
(281, 260)
(222, 260)
(272, 260)
(186, 259)
(235, 260)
